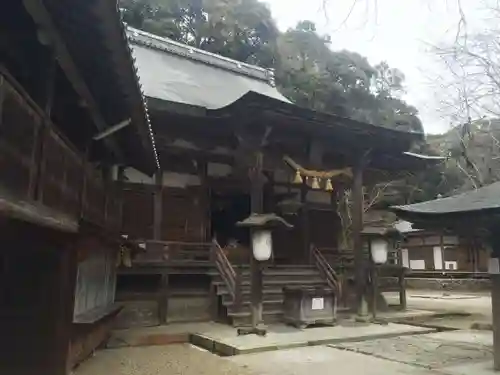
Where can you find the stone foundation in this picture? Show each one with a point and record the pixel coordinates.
(181, 309)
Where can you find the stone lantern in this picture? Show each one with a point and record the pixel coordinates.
(261, 227)
(380, 241)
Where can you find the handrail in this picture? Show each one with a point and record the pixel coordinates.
(174, 251)
(225, 269)
(326, 270)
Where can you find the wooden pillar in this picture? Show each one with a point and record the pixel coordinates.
(158, 205)
(163, 292)
(357, 227)
(68, 274)
(304, 223)
(202, 169)
(441, 246)
(495, 303)
(494, 242)
(120, 180)
(257, 207)
(163, 295)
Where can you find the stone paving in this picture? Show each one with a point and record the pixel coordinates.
(282, 337)
(322, 360)
(431, 351)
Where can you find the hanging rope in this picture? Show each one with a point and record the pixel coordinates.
(317, 174)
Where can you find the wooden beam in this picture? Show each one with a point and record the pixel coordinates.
(44, 21)
(35, 214)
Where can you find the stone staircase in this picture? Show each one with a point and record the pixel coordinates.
(275, 278)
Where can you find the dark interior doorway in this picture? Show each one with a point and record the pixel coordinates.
(226, 210)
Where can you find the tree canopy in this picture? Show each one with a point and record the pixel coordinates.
(308, 69)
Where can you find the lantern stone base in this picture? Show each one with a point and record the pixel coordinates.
(307, 306)
(260, 330)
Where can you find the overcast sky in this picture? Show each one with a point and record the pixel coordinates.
(398, 31)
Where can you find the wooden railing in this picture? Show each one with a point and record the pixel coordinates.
(39, 165)
(188, 253)
(326, 271)
(391, 276)
(232, 278)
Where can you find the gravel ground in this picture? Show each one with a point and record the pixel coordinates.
(169, 360)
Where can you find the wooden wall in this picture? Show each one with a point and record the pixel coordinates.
(186, 211)
(454, 249)
(37, 269)
(138, 201)
(185, 214)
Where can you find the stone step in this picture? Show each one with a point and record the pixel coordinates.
(274, 268)
(269, 295)
(276, 284)
(276, 305)
(244, 318)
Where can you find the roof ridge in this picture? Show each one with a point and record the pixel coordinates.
(180, 49)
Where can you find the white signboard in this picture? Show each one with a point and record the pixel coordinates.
(493, 266)
(417, 264)
(318, 304)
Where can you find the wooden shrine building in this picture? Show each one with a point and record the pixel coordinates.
(70, 109)
(475, 213)
(230, 144)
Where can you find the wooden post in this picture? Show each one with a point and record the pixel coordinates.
(2, 97)
(163, 293)
(238, 299)
(357, 227)
(158, 205)
(441, 247)
(68, 267)
(402, 289)
(163, 299)
(375, 289)
(304, 223)
(257, 206)
(120, 178)
(202, 169)
(494, 241)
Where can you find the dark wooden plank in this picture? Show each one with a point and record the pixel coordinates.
(36, 214)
